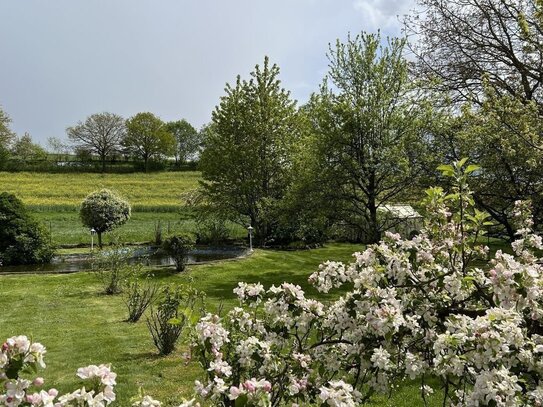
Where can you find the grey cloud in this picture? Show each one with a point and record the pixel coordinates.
(63, 60)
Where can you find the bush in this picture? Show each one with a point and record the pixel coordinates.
(113, 269)
(211, 230)
(429, 307)
(171, 315)
(178, 247)
(103, 211)
(22, 239)
(139, 295)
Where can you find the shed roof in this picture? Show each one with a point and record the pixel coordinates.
(400, 211)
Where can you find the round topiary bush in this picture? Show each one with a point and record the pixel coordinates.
(22, 239)
(104, 211)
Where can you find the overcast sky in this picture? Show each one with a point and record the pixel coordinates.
(63, 60)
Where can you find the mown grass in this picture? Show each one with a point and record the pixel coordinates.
(153, 192)
(79, 325)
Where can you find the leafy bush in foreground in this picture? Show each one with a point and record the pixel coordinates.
(170, 317)
(408, 309)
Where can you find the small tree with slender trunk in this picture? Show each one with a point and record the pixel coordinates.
(104, 211)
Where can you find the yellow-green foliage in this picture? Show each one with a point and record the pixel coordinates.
(145, 192)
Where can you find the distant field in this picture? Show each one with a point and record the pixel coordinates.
(154, 192)
(157, 197)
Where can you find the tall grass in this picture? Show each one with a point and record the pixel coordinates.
(155, 192)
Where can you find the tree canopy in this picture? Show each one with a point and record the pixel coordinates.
(187, 140)
(25, 149)
(104, 211)
(247, 155)
(463, 43)
(487, 56)
(100, 134)
(148, 137)
(367, 131)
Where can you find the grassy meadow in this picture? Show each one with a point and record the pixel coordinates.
(152, 192)
(54, 199)
(79, 325)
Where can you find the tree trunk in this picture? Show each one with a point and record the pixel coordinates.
(99, 239)
(374, 235)
(145, 160)
(103, 159)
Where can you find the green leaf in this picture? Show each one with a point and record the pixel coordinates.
(241, 401)
(174, 321)
(470, 168)
(461, 163)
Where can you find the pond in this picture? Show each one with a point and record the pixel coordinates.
(148, 256)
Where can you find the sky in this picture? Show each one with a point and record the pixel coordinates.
(63, 60)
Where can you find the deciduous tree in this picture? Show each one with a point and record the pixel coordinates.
(462, 43)
(488, 55)
(25, 149)
(147, 137)
(247, 154)
(187, 140)
(101, 134)
(368, 127)
(104, 211)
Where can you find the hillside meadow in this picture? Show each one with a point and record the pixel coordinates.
(153, 192)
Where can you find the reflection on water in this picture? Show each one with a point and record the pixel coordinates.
(147, 256)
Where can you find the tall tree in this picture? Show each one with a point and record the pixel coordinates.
(504, 137)
(368, 129)
(25, 149)
(100, 134)
(488, 55)
(462, 43)
(147, 137)
(187, 140)
(247, 152)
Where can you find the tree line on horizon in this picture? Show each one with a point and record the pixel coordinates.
(106, 136)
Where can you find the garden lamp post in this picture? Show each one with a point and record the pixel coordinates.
(250, 229)
(92, 231)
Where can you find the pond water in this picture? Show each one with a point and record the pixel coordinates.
(147, 256)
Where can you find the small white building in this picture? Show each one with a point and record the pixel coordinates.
(400, 218)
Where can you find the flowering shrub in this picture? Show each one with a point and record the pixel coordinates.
(19, 356)
(415, 309)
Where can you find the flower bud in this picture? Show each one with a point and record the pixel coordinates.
(38, 381)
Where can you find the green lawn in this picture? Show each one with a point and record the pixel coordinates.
(79, 325)
(54, 199)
